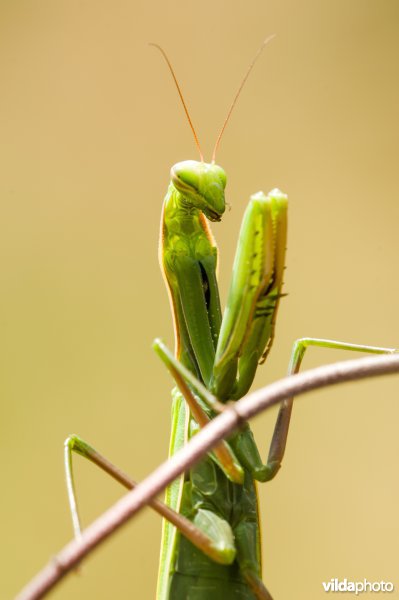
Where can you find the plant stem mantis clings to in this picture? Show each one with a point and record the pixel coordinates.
(211, 536)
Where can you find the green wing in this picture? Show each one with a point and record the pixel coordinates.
(180, 417)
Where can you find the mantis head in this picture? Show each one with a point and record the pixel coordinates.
(202, 185)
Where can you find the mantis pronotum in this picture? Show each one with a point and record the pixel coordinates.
(211, 538)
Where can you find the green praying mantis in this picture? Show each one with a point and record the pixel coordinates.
(211, 547)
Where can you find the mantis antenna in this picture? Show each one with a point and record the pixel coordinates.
(162, 51)
(255, 58)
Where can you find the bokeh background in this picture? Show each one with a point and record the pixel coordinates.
(90, 125)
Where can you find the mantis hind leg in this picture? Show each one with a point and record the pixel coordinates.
(279, 439)
(72, 444)
(203, 534)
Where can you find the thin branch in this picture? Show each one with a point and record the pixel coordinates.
(220, 427)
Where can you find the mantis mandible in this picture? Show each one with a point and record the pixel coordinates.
(211, 546)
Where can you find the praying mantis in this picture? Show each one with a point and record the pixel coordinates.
(211, 544)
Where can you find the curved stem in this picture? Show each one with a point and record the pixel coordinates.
(222, 426)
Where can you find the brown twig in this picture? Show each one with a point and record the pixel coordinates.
(205, 440)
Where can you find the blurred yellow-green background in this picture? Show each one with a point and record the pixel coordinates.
(90, 126)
